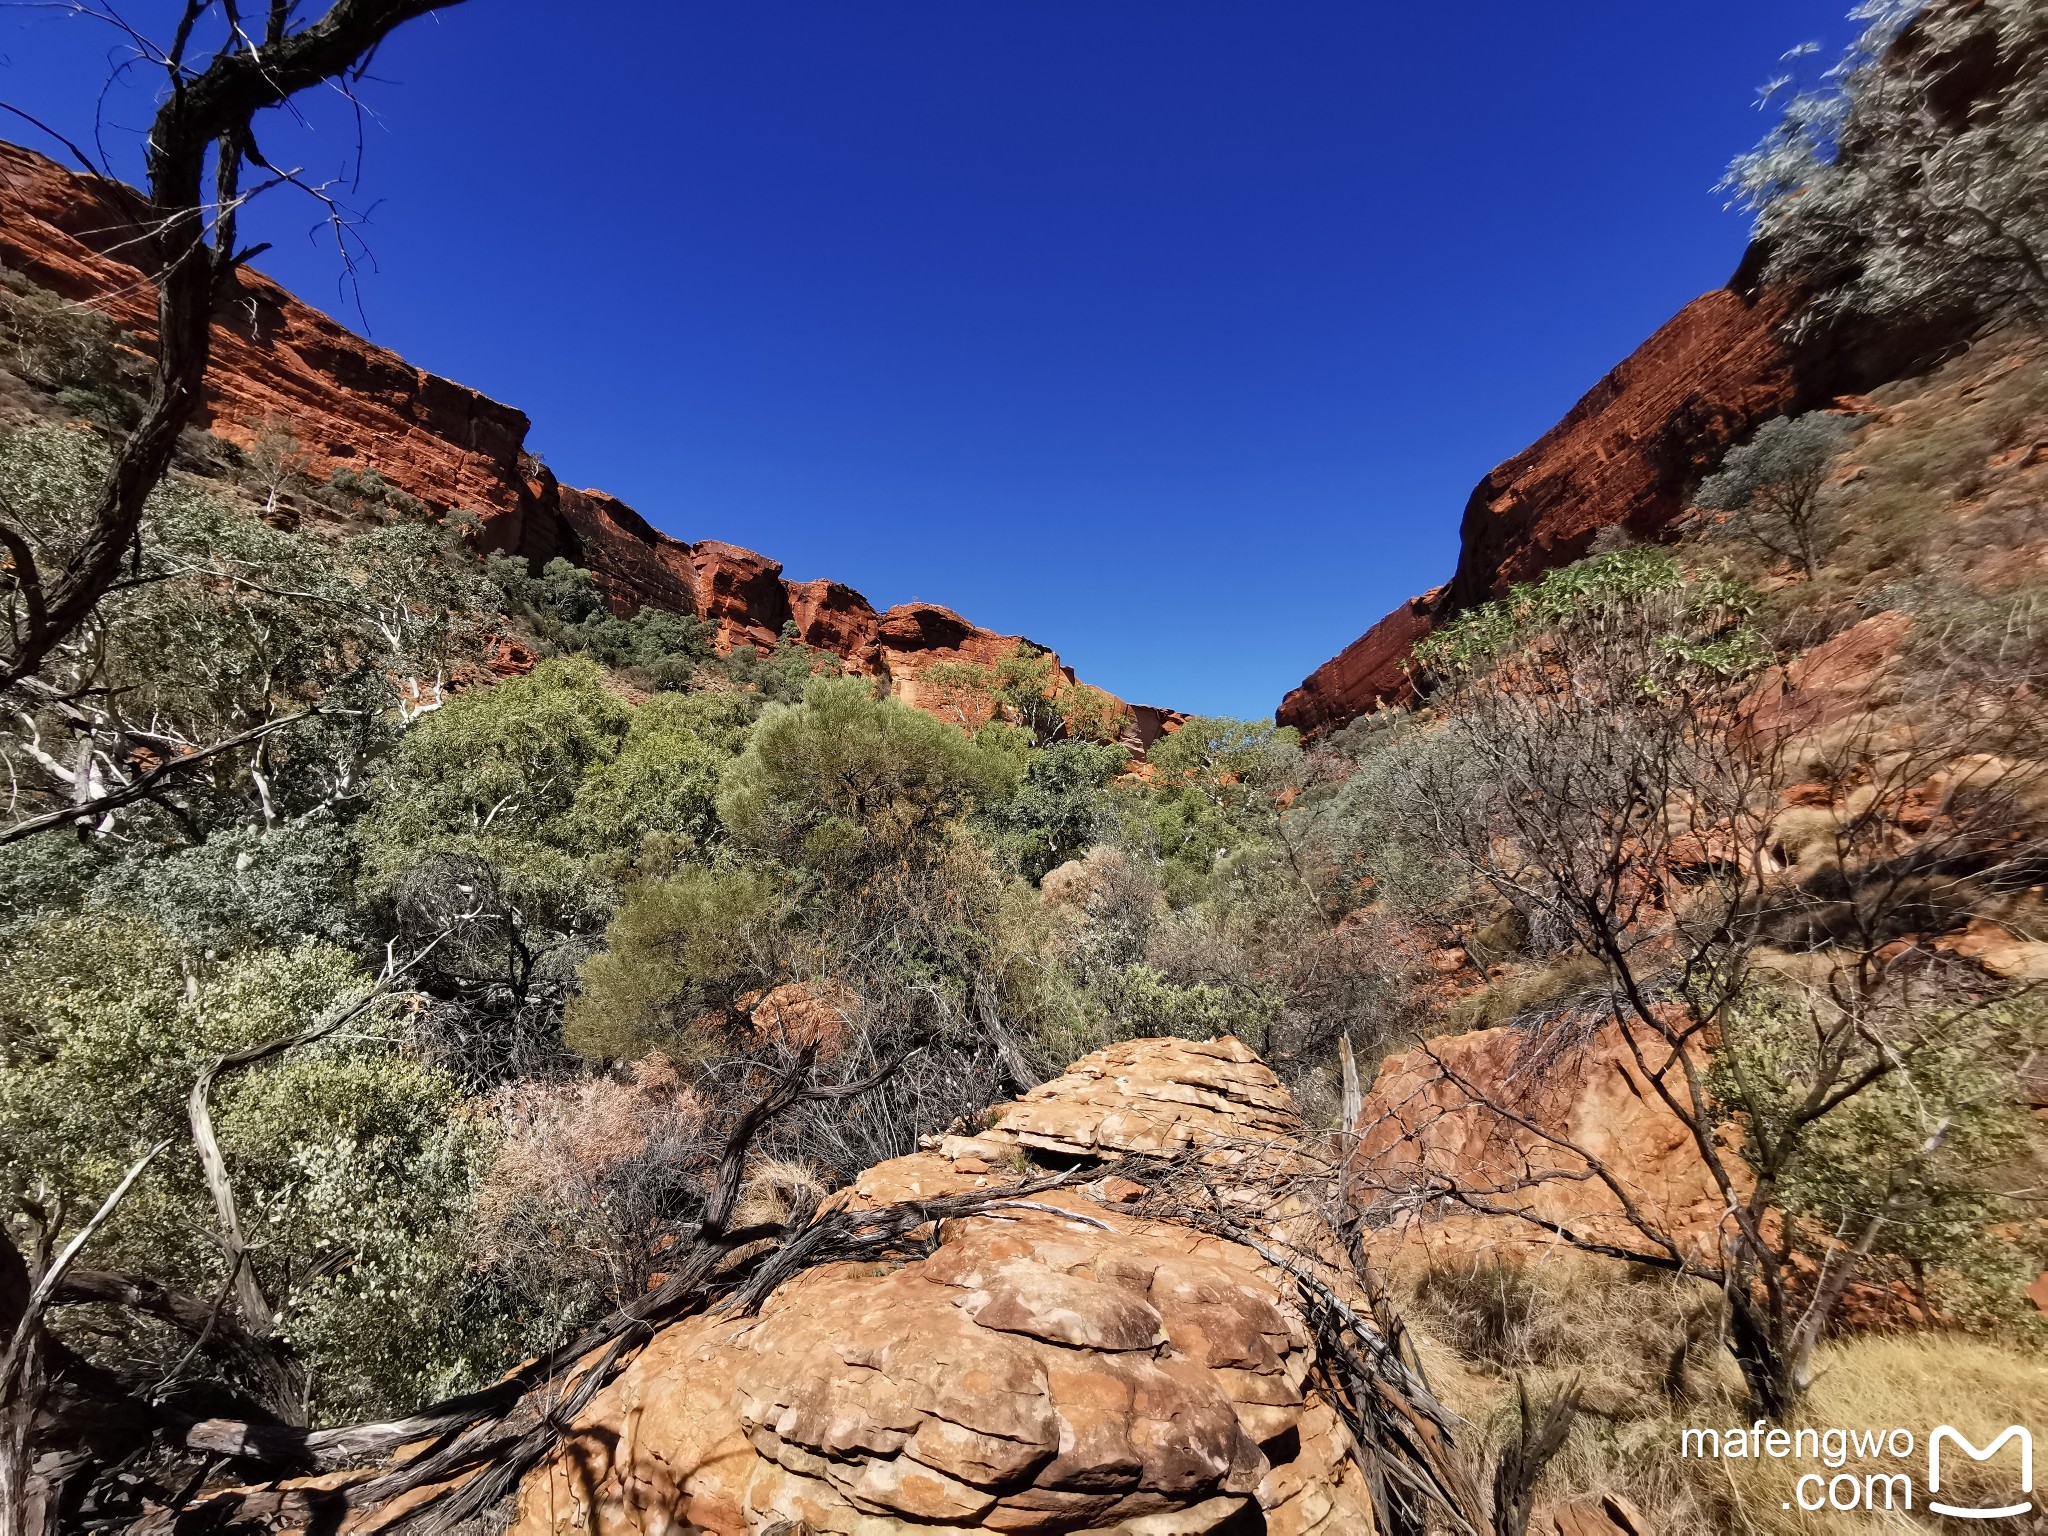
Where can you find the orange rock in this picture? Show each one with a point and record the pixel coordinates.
(1152, 1096)
(1064, 1368)
(802, 1013)
(1457, 1117)
(1624, 455)
(280, 365)
(1831, 681)
(1998, 951)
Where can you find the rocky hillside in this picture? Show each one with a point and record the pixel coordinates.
(280, 365)
(1771, 342)
(1162, 1340)
(1623, 457)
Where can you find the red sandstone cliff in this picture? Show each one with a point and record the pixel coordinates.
(278, 363)
(1625, 454)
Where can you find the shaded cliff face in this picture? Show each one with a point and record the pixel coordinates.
(280, 365)
(1624, 455)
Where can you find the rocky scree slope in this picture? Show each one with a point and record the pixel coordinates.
(280, 365)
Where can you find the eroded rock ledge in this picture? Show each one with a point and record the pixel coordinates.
(1063, 1365)
(281, 365)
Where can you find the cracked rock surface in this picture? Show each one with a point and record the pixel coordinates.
(1071, 1369)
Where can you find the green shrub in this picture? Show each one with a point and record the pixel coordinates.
(676, 948)
(345, 1151)
(67, 348)
(1771, 485)
(1708, 630)
(845, 779)
(1061, 806)
(495, 773)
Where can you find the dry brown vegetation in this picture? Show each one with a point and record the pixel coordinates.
(1480, 1327)
(1787, 850)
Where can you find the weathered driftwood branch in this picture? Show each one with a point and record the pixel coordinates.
(145, 785)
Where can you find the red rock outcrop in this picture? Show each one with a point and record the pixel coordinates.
(1062, 1365)
(1366, 673)
(1623, 456)
(280, 365)
(1460, 1110)
(275, 360)
(1627, 452)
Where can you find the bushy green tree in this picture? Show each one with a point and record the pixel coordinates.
(351, 1166)
(495, 775)
(844, 779)
(1915, 1157)
(1912, 184)
(664, 780)
(363, 1166)
(678, 947)
(1218, 787)
(69, 349)
(568, 608)
(230, 626)
(1028, 689)
(1143, 1001)
(1061, 806)
(778, 675)
(1771, 485)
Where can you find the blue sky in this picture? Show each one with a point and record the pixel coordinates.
(1171, 333)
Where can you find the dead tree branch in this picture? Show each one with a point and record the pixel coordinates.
(205, 120)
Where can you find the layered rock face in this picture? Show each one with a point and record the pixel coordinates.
(1460, 1110)
(1061, 1365)
(1623, 456)
(281, 366)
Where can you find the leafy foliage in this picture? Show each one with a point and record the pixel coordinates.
(845, 779)
(676, 949)
(1026, 689)
(1061, 807)
(1913, 180)
(349, 1160)
(1772, 485)
(1914, 1149)
(1706, 630)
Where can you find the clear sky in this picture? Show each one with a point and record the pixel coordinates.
(1170, 333)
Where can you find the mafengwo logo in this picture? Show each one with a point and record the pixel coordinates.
(1943, 1434)
(1873, 1469)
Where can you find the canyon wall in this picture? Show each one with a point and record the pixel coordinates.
(1625, 455)
(279, 365)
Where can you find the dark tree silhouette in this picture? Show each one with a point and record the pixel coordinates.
(204, 132)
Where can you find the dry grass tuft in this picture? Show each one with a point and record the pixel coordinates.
(1480, 1325)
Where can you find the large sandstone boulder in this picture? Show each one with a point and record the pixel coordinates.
(1151, 1096)
(1492, 1112)
(1063, 1364)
